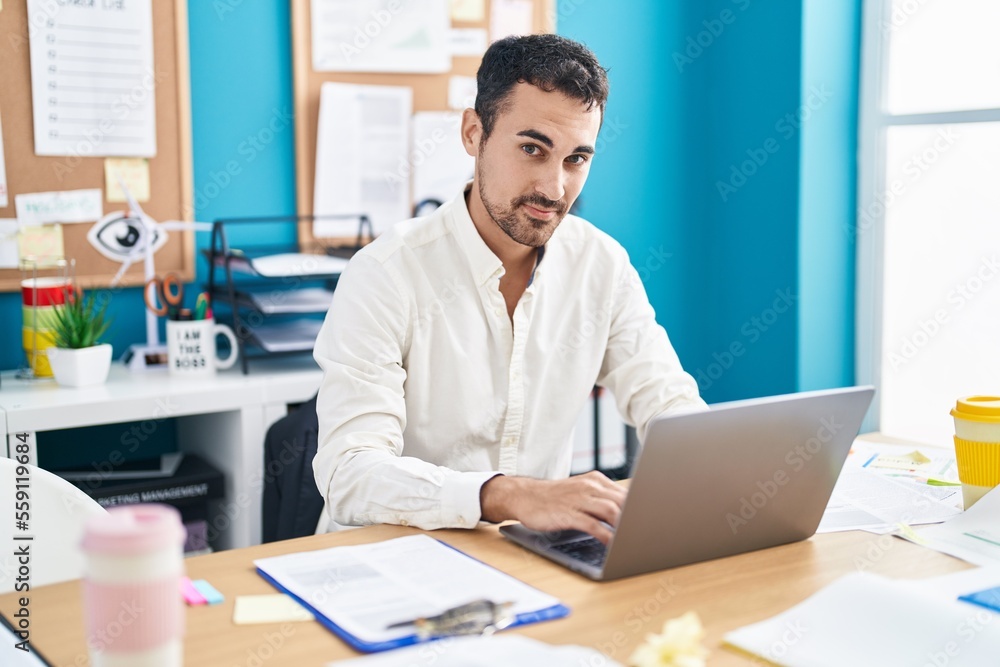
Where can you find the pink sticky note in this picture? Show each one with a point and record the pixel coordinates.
(190, 593)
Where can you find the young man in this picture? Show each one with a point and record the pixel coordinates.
(461, 346)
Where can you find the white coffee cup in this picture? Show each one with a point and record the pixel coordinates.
(191, 347)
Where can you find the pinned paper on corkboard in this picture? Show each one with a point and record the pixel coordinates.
(468, 10)
(44, 243)
(134, 171)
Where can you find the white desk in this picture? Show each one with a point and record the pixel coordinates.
(222, 419)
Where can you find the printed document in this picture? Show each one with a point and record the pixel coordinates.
(362, 161)
(364, 589)
(380, 36)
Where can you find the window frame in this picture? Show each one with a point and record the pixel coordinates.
(873, 123)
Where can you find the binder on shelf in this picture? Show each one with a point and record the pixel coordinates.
(194, 481)
(359, 591)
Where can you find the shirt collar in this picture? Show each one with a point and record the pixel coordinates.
(482, 261)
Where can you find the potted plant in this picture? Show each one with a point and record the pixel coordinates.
(79, 359)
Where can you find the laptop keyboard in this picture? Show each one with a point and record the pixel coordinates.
(590, 550)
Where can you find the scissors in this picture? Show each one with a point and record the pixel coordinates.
(168, 294)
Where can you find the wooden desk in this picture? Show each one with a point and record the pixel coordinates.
(613, 617)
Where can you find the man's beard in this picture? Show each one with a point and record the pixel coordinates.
(534, 233)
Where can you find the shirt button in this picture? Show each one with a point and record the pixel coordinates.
(404, 522)
(498, 311)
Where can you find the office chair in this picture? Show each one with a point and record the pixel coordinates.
(55, 512)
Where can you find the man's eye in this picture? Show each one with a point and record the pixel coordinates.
(577, 159)
(530, 149)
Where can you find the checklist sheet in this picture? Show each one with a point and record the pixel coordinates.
(92, 78)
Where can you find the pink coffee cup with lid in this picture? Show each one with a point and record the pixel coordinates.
(131, 587)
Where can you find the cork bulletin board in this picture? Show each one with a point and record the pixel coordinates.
(170, 172)
(430, 93)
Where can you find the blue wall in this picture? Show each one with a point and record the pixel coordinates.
(828, 195)
(694, 87)
(733, 172)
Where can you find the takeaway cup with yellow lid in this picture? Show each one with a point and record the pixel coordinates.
(977, 445)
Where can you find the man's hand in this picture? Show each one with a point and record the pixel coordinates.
(579, 503)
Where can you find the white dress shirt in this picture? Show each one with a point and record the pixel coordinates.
(430, 389)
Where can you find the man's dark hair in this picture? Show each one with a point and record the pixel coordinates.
(549, 62)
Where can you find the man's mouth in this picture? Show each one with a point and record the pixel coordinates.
(540, 213)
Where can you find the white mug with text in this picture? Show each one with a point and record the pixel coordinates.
(191, 347)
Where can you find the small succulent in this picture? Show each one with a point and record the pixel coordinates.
(80, 322)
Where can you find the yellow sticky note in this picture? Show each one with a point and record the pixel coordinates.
(134, 171)
(906, 462)
(276, 608)
(44, 243)
(468, 10)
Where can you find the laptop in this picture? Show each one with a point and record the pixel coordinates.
(740, 476)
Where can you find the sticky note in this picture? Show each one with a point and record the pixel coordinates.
(277, 608)
(8, 243)
(134, 171)
(38, 208)
(208, 591)
(468, 10)
(191, 594)
(905, 462)
(43, 243)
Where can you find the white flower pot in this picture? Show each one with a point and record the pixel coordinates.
(80, 368)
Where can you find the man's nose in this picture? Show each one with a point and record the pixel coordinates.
(552, 184)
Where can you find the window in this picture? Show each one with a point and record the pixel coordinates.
(928, 226)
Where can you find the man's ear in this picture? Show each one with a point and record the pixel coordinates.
(472, 131)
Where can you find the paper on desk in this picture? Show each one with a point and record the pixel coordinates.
(93, 83)
(362, 160)
(864, 620)
(444, 167)
(862, 500)
(936, 479)
(908, 460)
(380, 36)
(365, 588)
(495, 651)
(973, 536)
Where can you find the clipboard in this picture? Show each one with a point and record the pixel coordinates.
(358, 643)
